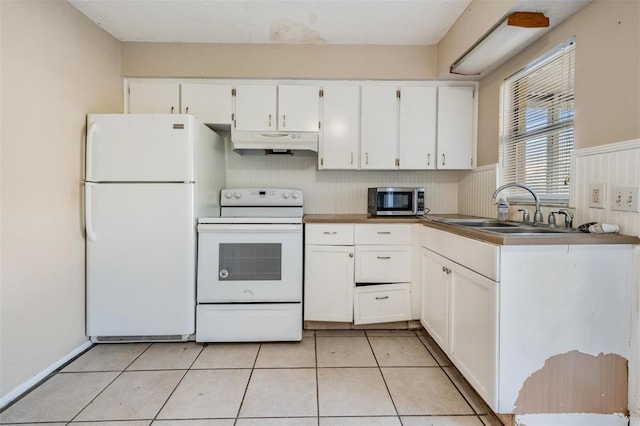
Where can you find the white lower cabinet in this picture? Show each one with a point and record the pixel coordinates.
(359, 273)
(382, 303)
(458, 311)
(328, 283)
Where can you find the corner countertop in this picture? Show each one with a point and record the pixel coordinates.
(478, 234)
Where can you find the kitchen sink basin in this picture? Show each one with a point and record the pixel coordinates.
(506, 228)
(478, 223)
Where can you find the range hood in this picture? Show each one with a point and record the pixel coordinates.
(274, 141)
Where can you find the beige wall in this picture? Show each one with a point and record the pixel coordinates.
(607, 83)
(57, 66)
(277, 61)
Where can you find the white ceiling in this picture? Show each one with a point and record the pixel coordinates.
(383, 22)
(389, 22)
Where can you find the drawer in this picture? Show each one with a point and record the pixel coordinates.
(383, 264)
(378, 234)
(382, 303)
(333, 234)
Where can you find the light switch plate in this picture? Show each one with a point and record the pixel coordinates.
(597, 195)
(624, 198)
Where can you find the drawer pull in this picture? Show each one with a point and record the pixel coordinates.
(381, 297)
(384, 232)
(330, 232)
(384, 257)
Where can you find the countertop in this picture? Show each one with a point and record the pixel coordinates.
(478, 234)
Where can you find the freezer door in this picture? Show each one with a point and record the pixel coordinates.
(140, 148)
(140, 259)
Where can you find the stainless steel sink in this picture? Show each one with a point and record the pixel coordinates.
(477, 223)
(506, 228)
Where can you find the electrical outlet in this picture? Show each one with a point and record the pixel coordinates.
(597, 192)
(624, 198)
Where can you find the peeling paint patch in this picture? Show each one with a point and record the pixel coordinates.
(575, 382)
(288, 31)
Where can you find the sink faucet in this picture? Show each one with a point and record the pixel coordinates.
(537, 216)
(568, 217)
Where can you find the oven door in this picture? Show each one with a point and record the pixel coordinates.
(246, 263)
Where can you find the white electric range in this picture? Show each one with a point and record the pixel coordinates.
(249, 284)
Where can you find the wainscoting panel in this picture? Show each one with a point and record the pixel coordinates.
(614, 165)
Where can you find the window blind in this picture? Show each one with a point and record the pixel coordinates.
(537, 142)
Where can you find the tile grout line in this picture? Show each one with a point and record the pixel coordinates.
(178, 384)
(108, 384)
(383, 379)
(246, 388)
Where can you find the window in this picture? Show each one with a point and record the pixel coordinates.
(537, 139)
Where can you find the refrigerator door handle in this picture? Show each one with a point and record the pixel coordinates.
(88, 226)
(90, 133)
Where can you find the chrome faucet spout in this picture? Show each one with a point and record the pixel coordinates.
(537, 216)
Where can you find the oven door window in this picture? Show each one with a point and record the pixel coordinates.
(250, 262)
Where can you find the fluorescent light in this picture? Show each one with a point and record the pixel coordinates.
(501, 42)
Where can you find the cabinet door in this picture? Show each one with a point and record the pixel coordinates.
(328, 283)
(148, 97)
(473, 328)
(379, 124)
(210, 103)
(435, 297)
(298, 108)
(255, 108)
(455, 127)
(340, 130)
(417, 140)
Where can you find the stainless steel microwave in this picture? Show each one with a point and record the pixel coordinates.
(395, 202)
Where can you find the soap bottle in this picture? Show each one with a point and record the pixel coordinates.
(503, 209)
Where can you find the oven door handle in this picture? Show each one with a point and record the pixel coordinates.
(253, 228)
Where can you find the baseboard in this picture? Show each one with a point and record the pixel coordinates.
(36, 379)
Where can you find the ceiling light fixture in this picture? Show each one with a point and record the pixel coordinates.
(501, 42)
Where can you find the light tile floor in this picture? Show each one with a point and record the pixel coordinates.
(331, 378)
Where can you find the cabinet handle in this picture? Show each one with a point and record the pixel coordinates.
(384, 232)
(428, 159)
(330, 232)
(381, 297)
(284, 121)
(384, 257)
(443, 159)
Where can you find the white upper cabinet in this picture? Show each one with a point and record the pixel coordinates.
(272, 107)
(340, 129)
(210, 103)
(152, 97)
(417, 140)
(378, 121)
(456, 118)
(256, 107)
(298, 108)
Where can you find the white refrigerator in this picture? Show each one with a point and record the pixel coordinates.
(148, 178)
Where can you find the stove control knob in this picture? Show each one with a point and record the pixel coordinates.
(237, 195)
(228, 195)
(286, 195)
(294, 195)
